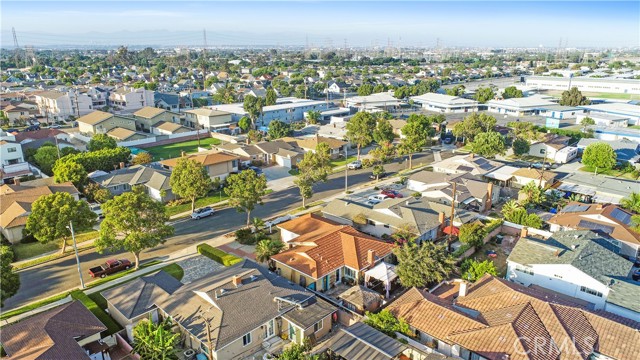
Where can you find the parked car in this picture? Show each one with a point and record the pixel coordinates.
(392, 193)
(636, 275)
(255, 169)
(354, 165)
(373, 202)
(378, 197)
(448, 140)
(202, 213)
(380, 176)
(110, 267)
(55, 126)
(97, 209)
(539, 165)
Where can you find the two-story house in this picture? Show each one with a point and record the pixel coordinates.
(12, 161)
(579, 264)
(147, 117)
(217, 164)
(120, 127)
(330, 254)
(209, 119)
(130, 99)
(60, 105)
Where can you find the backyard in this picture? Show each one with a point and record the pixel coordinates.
(500, 261)
(169, 151)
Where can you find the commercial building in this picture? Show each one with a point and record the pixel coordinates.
(445, 103)
(584, 84)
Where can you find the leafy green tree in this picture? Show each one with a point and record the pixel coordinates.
(385, 322)
(402, 92)
(524, 130)
(226, 95)
(278, 129)
(244, 123)
(473, 125)
(632, 203)
(512, 92)
(245, 191)
(420, 265)
(189, 180)
(142, 158)
(599, 156)
(517, 214)
(484, 94)
(313, 117)
(416, 132)
(133, 221)
(472, 233)
(313, 168)
(64, 171)
(51, 214)
(9, 279)
(365, 89)
(253, 106)
(360, 130)
(532, 193)
(573, 97)
(271, 96)
(520, 146)
(101, 141)
(296, 352)
(586, 122)
(457, 90)
(95, 193)
(155, 341)
(488, 144)
(383, 131)
(377, 171)
(265, 249)
(472, 270)
(105, 159)
(45, 157)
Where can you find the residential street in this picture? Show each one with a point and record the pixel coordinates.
(54, 277)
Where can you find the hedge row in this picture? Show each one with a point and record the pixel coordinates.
(111, 325)
(218, 255)
(104, 159)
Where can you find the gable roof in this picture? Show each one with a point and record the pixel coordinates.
(362, 342)
(133, 175)
(476, 165)
(95, 117)
(536, 174)
(204, 157)
(16, 200)
(316, 255)
(311, 142)
(52, 334)
(37, 134)
(207, 112)
(149, 112)
(121, 133)
(608, 220)
(308, 223)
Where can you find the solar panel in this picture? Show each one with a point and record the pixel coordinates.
(622, 216)
(605, 229)
(575, 208)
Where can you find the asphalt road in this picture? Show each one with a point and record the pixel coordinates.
(54, 277)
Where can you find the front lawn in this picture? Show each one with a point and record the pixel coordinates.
(342, 161)
(169, 151)
(205, 201)
(29, 250)
(612, 172)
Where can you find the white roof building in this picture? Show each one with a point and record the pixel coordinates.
(530, 105)
(445, 103)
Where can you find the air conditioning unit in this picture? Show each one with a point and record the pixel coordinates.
(189, 354)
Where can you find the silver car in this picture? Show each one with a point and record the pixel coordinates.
(202, 213)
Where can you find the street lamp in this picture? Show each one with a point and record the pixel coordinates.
(75, 248)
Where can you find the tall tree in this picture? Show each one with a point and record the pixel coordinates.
(253, 106)
(9, 279)
(271, 96)
(472, 233)
(134, 222)
(532, 193)
(512, 92)
(488, 144)
(245, 191)
(155, 341)
(313, 168)
(45, 157)
(265, 249)
(484, 94)
(632, 202)
(51, 214)
(244, 123)
(101, 141)
(457, 90)
(383, 131)
(313, 116)
(473, 125)
(416, 132)
(64, 171)
(420, 265)
(586, 122)
(520, 146)
(278, 129)
(360, 130)
(573, 97)
(599, 156)
(189, 180)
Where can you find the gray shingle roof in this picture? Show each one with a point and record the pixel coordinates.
(362, 342)
(134, 175)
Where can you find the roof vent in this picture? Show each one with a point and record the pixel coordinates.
(253, 278)
(574, 246)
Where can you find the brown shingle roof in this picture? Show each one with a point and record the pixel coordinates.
(204, 157)
(37, 134)
(52, 334)
(535, 174)
(95, 117)
(313, 141)
(120, 133)
(15, 201)
(149, 112)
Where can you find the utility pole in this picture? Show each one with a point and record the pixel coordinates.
(453, 207)
(346, 168)
(207, 322)
(75, 249)
(16, 46)
(75, 92)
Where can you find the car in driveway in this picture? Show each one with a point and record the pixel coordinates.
(354, 165)
(110, 267)
(380, 176)
(391, 193)
(377, 197)
(96, 209)
(255, 169)
(202, 213)
(539, 165)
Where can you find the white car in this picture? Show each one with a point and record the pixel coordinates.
(378, 197)
(354, 165)
(97, 209)
(202, 212)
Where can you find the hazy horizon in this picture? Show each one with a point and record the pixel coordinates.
(323, 23)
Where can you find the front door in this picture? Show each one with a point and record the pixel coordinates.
(292, 333)
(269, 329)
(338, 276)
(325, 283)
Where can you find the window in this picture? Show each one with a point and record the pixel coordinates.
(557, 276)
(542, 151)
(11, 149)
(246, 339)
(317, 326)
(524, 270)
(349, 273)
(590, 291)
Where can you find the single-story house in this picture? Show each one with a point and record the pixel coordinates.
(445, 103)
(362, 342)
(155, 180)
(626, 150)
(554, 148)
(463, 164)
(217, 164)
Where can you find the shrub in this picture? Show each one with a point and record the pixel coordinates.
(493, 224)
(245, 237)
(218, 255)
(461, 250)
(367, 163)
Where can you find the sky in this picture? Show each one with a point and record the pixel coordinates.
(322, 23)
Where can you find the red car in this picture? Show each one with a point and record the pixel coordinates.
(392, 194)
(110, 267)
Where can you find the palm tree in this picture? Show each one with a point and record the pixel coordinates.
(510, 206)
(265, 249)
(632, 202)
(534, 194)
(155, 341)
(635, 220)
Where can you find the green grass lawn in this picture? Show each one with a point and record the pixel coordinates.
(612, 172)
(24, 309)
(636, 127)
(205, 201)
(25, 251)
(169, 151)
(342, 162)
(500, 261)
(174, 270)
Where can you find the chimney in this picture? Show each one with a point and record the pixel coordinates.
(247, 141)
(557, 253)
(121, 165)
(441, 218)
(489, 203)
(524, 232)
(237, 280)
(371, 257)
(472, 155)
(16, 181)
(464, 288)
(598, 206)
(183, 154)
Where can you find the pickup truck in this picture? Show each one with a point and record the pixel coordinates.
(110, 267)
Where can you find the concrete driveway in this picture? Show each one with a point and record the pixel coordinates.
(278, 177)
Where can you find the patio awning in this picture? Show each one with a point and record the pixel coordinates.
(383, 272)
(448, 230)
